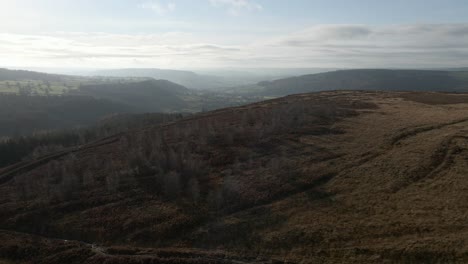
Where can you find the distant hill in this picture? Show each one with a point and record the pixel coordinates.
(372, 79)
(142, 94)
(208, 80)
(145, 96)
(150, 73)
(17, 75)
(39, 83)
(450, 69)
(185, 78)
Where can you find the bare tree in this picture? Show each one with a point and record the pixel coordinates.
(193, 188)
(172, 185)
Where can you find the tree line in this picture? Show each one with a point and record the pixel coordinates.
(24, 148)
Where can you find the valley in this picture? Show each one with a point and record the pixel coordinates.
(233, 132)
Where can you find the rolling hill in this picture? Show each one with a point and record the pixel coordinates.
(39, 83)
(330, 177)
(186, 78)
(162, 96)
(34, 101)
(24, 115)
(16, 75)
(146, 96)
(372, 79)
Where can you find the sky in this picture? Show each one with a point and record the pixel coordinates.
(180, 34)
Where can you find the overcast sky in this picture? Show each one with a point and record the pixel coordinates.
(233, 33)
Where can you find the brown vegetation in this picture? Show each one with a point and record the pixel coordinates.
(327, 177)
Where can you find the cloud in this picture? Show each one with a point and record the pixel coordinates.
(328, 46)
(158, 7)
(327, 33)
(108, 50)
(420, 45)
(235, 7)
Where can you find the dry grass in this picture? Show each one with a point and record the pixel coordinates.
(355, 177)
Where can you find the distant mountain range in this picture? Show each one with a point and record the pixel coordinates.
(369, 79)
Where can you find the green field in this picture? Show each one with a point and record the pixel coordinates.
(36, 87)
(40, 87)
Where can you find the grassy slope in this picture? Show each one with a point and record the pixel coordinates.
(37, 83)
(326, 177)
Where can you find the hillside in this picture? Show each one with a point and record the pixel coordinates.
(185, 78)
(39, 83)
(372, 79)
(34, 101)
(321, 177)
(162, 96)
(146, 96)
(24, 115)
(26, 147)
(17, 75)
